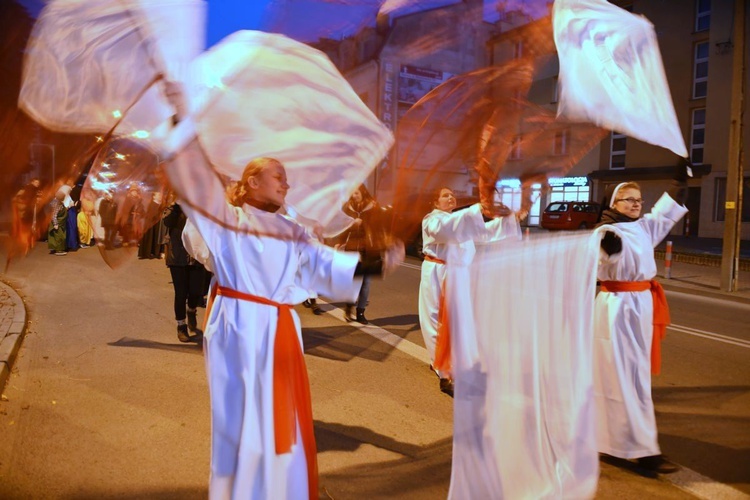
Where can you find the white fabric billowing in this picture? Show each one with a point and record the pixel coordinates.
(523, 410)
(450, 237)
(240, 335)
(623, 334)
(87, 62)
(611, 72)
(262, 94)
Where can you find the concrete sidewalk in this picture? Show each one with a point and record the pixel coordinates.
(12, 328)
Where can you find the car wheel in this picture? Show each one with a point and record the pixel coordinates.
(583, 226)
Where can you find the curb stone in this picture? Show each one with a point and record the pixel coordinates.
(12, 329)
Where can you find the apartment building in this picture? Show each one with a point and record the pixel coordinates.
(696, 42)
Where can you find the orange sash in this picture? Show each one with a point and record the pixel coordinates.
(661, 312)
(443, 345)
(291, 386)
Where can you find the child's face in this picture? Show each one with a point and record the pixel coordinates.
(446, 201)
(270, 185)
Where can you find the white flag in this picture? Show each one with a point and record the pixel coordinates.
(611, 72)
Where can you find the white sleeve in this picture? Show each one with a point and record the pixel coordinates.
(455, 227)
(665, 214)
(328, 272)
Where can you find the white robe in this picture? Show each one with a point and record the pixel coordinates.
(450, 237)
(240, 335)
(626, 424)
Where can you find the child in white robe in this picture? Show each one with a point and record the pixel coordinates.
(623, 324)
(263, 262)
(449, 236)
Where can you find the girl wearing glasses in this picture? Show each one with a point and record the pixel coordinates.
(629, 320)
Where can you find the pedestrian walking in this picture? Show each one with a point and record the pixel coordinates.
(363, 237)
(187, 277)
(630, 318)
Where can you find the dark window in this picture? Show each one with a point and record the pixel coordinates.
(702, 15)
(720, 197)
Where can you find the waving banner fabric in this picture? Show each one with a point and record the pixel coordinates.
(611, 72)
(523, 410)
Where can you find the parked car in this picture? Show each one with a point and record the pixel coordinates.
(570, 215)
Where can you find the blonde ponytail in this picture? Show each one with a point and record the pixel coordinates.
(237, 194)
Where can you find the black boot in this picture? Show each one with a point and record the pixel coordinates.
(182, 333)
(658, 463)
(349, 313)
(361, 316)
(192, 320)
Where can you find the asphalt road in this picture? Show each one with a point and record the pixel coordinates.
(105, 402)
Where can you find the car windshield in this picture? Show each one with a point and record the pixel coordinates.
(557, 207)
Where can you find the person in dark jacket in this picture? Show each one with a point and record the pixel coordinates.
(108, 215)
(364, 237)
(187, 277)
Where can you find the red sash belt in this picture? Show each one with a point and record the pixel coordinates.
(443, 346)
(430, 258)
(291, 387)
(661, 312)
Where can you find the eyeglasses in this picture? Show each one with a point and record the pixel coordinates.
(632, 201)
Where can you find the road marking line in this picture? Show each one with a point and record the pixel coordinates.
(703, 487)
(711, 336)
(685, 479)
(411, 266)
(403, 345)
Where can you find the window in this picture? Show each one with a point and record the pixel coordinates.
(702, 15)
(697, 135)
(617, 144)
(700, 70)
(560, 147)
(720, 197)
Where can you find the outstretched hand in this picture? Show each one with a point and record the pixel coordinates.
(393, 256)
(175, 94)
(492, 211)
(611, 243)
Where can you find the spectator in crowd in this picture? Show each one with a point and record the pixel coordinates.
(187, 277)
(364, 236)
(56, 230)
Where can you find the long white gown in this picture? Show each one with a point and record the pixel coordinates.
(626, 424)
(281, 263)
(450, 237)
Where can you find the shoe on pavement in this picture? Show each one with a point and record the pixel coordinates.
(61, 253)
(349, 313)
(317, 311)
(658, 463)
(361, 317)
(192, 321)
(446, 386)
(182, 333)
(307, 303)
